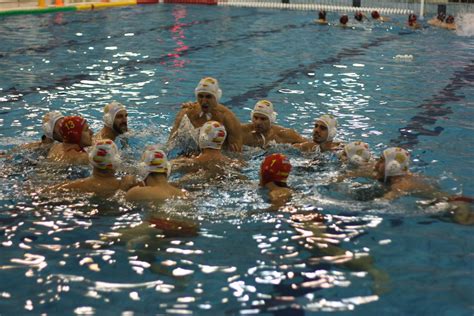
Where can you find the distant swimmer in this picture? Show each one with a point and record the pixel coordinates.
(321, 17)
(359, 16)
(343, 20)
(156, 187)
(274, 173)
(412, 21)
(443, 22)
(324, 131)
(211, 160)
(104, 158)
(115, 121)
(76, 136)
(207, 108)
(437, 20)
(376, 16)
(262, 130)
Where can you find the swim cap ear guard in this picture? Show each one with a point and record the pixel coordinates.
(110, 111)
(209, 85)
(154, 160)
(104, 155)
(49, 121)
(264, 107)
(212, 135)
(331, 124)
(397, 161)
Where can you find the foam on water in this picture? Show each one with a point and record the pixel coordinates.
(465, 24)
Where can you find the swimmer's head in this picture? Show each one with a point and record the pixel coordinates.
(116, 117)
(441, 16)
(263, 116)
(325, 129)
(322, 15)
(412, 19)
(275, 168)
(393, 162)
(104, 155)
(358, 16)
(344, 19)
(52, 125)
(154, 160)
(212, 135)
(450, 19)
(375, 15)
(208, 93)
(75, 130)
(357, 153)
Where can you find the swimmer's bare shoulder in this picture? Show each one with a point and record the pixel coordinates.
(306, 146)
(287, 135)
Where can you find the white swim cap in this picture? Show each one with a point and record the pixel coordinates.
(110, 111)
(49, 121)
(331, 124)
(212, 135)
(397, 161)
(104, 155)
(357, 153)
(209, 85)
(264, 107)
(154, 160)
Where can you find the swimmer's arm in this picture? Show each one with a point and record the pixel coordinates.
(80, 158)
(182, 165)
(291, 136)
(305, 147)
(234, 131)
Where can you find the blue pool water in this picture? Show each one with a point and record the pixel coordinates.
(58, 255)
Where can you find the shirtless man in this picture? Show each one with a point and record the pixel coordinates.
(115, 121)
(324, 131)
(156, 187)
(412, 22)
(262, 130)
(207, 108)
(76, 136)
(211, 138)
(274, 172)
(104, 158)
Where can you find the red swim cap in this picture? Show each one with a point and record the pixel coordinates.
(375, 14)
(71, 129)
(275, 168)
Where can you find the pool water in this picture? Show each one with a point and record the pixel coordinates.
(59, 256)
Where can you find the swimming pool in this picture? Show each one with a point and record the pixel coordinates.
(246, 260)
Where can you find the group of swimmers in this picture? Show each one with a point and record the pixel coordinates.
(440, 21)
(219, 131)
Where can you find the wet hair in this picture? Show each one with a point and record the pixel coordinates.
(441, 16)
(412, 18)
(281, 184)
(375, 15)
(358, 16)
(344, 19)
(450, 19)
(322, 15)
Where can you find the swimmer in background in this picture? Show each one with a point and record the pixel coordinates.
(343, 20)
(358, 159)
(412, 21)
(449, 23)
(262, 130)
(156, 187)
(445, 23)
(115, 121)
(274, 173)
(207, 108)
(437, 20)
(324, 131)
(321, 17)
(359, 16)
(104, 158)
(376, 16)
(211, 161)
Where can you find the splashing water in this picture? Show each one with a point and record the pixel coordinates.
(465, 24)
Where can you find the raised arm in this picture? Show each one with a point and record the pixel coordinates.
(234, 131)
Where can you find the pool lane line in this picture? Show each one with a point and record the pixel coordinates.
(263, 90)
(434, 108)
(78, 7)
(69, 43)
(13, 95)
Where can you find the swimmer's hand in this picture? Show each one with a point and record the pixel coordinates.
(235, 147)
